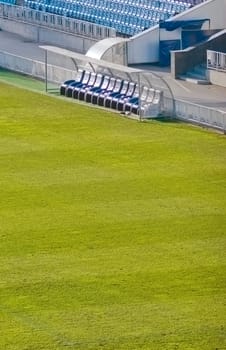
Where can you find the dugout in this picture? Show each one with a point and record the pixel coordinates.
(139, 76)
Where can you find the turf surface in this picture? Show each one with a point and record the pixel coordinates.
(26, 81)
(112, 231)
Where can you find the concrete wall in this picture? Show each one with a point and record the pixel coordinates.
(183, 61)
(47, 36)
(196, 114)
(217, 78)
(144, 48)
(35, 68)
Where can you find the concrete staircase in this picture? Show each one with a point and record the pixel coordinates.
(198, 75)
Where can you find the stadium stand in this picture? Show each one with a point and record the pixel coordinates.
(127, 17)
(150, 42)
(95, 29)
(10, 2)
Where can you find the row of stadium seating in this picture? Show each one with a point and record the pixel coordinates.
(128, 17)
(11, 2)
(110, 92)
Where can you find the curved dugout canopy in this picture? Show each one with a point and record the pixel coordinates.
(140, 76)
(98, 65)
(101, 47)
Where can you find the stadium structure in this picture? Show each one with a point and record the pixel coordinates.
(95, 48)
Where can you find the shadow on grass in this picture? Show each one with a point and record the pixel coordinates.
(53, 91)
(28, 82)
(165, 119)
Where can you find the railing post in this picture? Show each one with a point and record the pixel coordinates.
(46, 75)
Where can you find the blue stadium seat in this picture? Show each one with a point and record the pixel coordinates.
(103, 95)
(70, 89)
(97, 89)
(104, 90)
(116, 94)
(84, 85)
(132, 92)
(146, 100)
(91, 86)
(128, 17)
(132, 105)
(78, 79)
(122, 96)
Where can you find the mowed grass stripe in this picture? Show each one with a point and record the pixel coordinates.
(112, 231)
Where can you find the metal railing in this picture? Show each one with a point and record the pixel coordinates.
(53, 21)
(216, 60)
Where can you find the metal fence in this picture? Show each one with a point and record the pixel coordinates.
(216, 60)
(53, 21)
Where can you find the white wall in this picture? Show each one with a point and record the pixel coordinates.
(217, 77)
(144, 47)
(168, 35)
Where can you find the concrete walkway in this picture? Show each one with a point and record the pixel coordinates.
(212, 96)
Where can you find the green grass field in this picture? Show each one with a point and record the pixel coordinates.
(112, 231)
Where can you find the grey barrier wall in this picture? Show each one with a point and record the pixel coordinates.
(216, 65)
(217, 77)
(186, 111)
(35, 68)
(183, 61)
(197, 114)
(45, 27)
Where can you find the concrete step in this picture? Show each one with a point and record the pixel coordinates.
(199, 70)
(194, 80)
(196, 75)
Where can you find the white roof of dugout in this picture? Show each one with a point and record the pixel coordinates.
(102, 46)
(142, 77)
(93, 62)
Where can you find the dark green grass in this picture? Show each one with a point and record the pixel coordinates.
(26, 81)
(112, 231)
